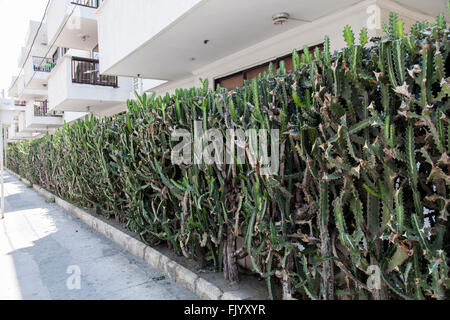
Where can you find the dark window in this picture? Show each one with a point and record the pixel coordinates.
(95, 53)
(233, 81)
(86, 71)
(40, 108)
(237, 79)
(59, 53)
(55, 56)
(255, 72)
(88, 3)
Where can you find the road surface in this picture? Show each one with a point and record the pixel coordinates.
(46, 253)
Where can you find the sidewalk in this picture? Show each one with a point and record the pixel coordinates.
(46, 253)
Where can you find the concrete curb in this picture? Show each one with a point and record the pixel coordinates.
(182, 276)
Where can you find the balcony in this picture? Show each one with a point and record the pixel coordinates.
(14, 135)
(41, 64)
(76, 85)
(30, 88)
(38, 118)
(85, 71)
(7, 111)
(36, 72)
(88, 3)
(14, 88)
(17, 128)
(73, 23)
(19, 103)
(41, 109)
(121, 42)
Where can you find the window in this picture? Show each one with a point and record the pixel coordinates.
(59, 53)
(237, 79)
(40, 108)
(88, 3)
(55, 56)
(95, 53)
(230, 82)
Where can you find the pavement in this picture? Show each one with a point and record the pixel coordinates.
(48, 254)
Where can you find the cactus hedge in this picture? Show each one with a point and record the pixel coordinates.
(362, 192)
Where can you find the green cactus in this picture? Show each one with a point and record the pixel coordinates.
(363, 181)
(349, 36)
(363, 38)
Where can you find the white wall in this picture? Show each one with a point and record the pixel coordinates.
(6, 116)
(283, 44)
(11, 132)
(70, 117)
(311, 34)
(55, 16)
(29, 114)
(58, 82)
(170, 87)
(408, 16)
(78, 53)
(59, 11)
(22, 121)
(112, 111)
(147, 19)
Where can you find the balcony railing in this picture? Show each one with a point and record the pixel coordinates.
(41, 64)
(18, 103)
(40, 109)
(88, 3)
(86, 71)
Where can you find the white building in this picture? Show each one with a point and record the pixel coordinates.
(59, 80)
(10, 111)
(180, 41)
(30, 87)
(75, 83)
(87, 52)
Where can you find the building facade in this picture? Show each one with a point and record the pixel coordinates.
(76, 84)
(179, 42)
(59, 81)
(91, 55)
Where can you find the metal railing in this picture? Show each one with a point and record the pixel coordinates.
(18, 103)
(88, 3)
(40, 109)
(41, 64)
(86, 71)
